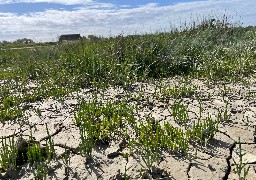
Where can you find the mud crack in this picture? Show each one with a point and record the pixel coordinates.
(73, 150)
(188, 169)
(228, 161)
(59, 129)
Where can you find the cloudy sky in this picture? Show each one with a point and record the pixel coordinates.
(45, 20)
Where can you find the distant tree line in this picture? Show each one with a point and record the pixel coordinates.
(18, 41)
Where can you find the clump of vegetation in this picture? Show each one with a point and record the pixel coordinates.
(101, 123)
(179, 113)
(8, 154)
(241, 169)
(194, 51)
(15, 154)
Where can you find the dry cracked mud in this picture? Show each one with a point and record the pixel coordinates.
(215, 160)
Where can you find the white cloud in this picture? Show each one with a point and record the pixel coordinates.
(47, 25)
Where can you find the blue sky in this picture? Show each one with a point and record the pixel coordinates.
(23, 7)
(45, 20)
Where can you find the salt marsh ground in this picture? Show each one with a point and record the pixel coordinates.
(173, 105)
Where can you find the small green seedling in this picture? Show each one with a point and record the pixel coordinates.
(241, 170)
(223, 115)
(66, 161)
(8, 154)
(174, 139)
(40, 171)
(35, 153)
(179, 113)
(147, 146)
(203, 131)
(87, 134)
(50, 151)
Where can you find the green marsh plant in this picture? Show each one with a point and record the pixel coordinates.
(35, 153)
(87, 133)
(9, 109)
(50, 151)
(241, 169)
(174, 139)
(179, 113)
(202, 131)
(40, 171)
(147, 145)
(223, 115)
(66, 161)
(178, 92)
(100, 123)
(8, 154)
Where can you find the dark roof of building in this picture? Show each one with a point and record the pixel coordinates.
(70, 37)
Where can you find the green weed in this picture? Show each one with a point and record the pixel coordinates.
(202, 131)
(179, 113)
(8, 154)
(241, 169)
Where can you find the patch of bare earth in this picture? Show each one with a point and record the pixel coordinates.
(215, 160)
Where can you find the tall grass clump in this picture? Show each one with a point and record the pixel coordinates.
(212, 48)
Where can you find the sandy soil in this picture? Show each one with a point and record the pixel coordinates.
(216, 160)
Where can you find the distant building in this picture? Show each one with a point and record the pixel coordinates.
(69, 37)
